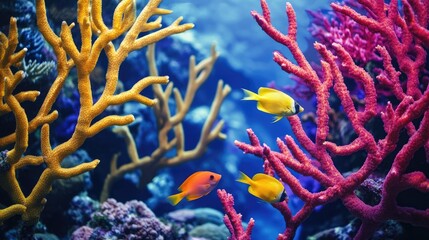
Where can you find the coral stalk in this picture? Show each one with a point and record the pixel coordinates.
(232, 219)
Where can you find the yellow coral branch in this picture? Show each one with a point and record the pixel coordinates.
(131, 145)
(21, 130)
(198, 74)
(175, 27)
(27, 96)
(62, 173)
(89, 19)
(8, 83)
(97, 20)
(134, 92)
(109, 121)
(16, 209)
(68, 43)
(124, 15)
(29, 160)
(10, 45)
(208, 132)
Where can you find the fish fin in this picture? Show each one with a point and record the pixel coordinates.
(264, 177)
(244, 178)
(188, 181)
(202, 191)
(261, 108)
(250, 95)
(193, 197)
(247, 180)
(176, 198)
(255, 193)
(277, 118)
(204, 187)
(272, 91)
(265, 90)
(263, 191)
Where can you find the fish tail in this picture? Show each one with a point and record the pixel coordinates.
(244, 178)
(176, 198)
(250, 95)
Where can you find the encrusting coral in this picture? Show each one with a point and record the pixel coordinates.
(129, 220)
(96, 37)
(198, 74)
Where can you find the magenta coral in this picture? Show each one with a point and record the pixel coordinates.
(357, 39)
(405, 119)
(232, 219)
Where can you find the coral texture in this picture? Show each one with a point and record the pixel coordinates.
(404, 119)
(130, 32)
(130, 220)
(232, 219)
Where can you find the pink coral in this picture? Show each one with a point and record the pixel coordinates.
(83, 232)
(405, 120)
(232, 219)
(357, 39)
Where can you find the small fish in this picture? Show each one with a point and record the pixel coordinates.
(195, 186)
(264, 187)
(274, 102)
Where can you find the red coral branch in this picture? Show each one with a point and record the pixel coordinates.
(404, 58)
(232, 219)
(411, 57)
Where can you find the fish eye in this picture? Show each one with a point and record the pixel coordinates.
(211, 177)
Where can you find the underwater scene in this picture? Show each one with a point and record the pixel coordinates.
(214, 120)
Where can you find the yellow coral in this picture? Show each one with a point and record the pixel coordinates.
(198, 74)
(96, 37)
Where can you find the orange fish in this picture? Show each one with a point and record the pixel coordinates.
(195, 186)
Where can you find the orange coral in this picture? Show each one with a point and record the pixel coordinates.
(96, 37)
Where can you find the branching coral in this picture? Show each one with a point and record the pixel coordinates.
(10, 103)
(357, 39)
(405, 121)
(232, 219)
(167, 122)
(96, 37)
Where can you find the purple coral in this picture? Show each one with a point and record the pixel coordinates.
(130, 220)
(357, 39)
(4, 165)
(330, 27)
(81, 208)
(84, 232)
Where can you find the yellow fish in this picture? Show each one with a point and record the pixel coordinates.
(195, 186)
(275, 102)
(264, 187)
